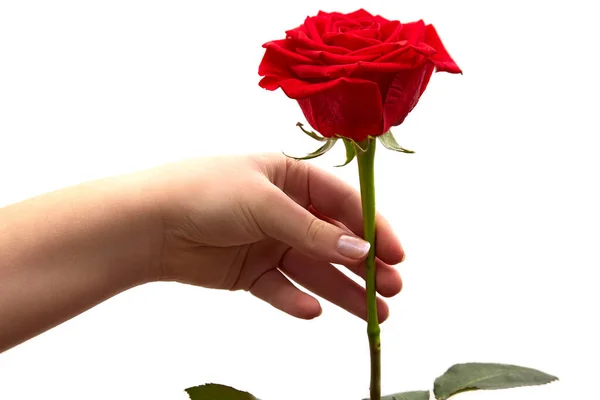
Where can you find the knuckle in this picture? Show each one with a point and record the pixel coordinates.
(315, 230)
(351, 201)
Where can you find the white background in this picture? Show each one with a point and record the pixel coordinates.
(497, 210)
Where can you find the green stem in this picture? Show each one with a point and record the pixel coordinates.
(366, 172)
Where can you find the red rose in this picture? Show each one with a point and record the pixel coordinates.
(354, 75)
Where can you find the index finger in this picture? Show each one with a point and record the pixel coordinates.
(336, 199)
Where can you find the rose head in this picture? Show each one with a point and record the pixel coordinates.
(354, 75)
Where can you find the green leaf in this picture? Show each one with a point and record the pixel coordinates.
(481, 376)
(389, 142)
(350, 152)
(319, 152)
(417, 395)
(312, 134)
(212, 391)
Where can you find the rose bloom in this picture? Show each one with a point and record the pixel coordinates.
(354, 75)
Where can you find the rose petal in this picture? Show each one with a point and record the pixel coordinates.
(442, 60)
(303, 41)
(278, 58)
(347, 70)
(391, 31)
(312, 29)
(404, 93)
(379, 49)
(333, 59)
(312, 54)
(350, 108)
(425, 49)
(367, 33)
(269, 82)
(408, 53)
(396, 55)
(382, 21)
(324, 14)
(324, 71)
(284, 49)
(360, 13)
(349, 40)
(295, 88)
(413, 32)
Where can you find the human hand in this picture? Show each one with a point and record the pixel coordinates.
(245, 223)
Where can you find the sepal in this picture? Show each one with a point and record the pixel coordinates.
(350, 151)
(389, 142)
(312, 134)
(319, 152)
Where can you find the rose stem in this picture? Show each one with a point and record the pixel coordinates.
(366, 173)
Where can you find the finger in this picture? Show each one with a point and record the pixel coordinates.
(274, 288)
(281, 218)
(388, 281)
(333, 197)
(325, 218)
(324, 280)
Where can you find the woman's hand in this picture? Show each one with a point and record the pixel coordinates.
(250, 223)
(235, 223)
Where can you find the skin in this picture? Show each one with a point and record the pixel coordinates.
(234, 223)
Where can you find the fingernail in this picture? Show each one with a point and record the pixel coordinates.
(353, 247)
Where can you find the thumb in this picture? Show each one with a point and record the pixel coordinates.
(285, 220)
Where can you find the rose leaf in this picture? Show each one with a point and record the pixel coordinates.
(213, 391)
(483, 376)
(416, 395)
